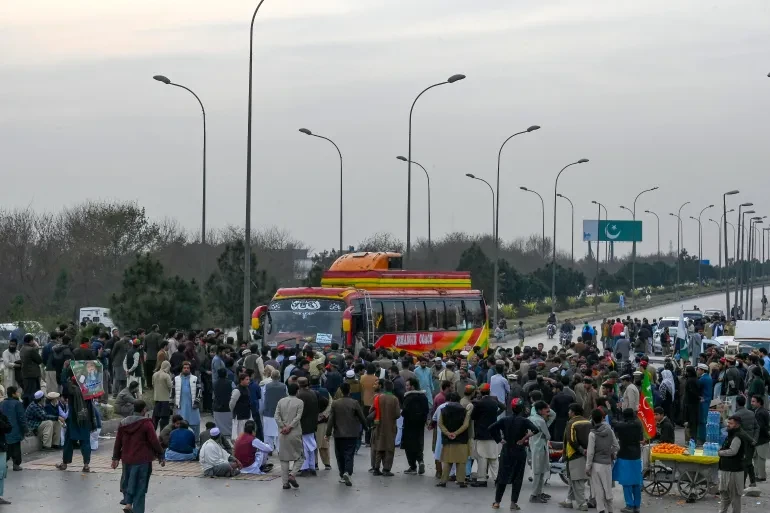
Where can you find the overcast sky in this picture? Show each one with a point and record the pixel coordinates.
(664, 93)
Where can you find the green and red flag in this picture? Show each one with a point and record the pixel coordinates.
(646, 408)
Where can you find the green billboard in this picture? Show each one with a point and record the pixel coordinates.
(612, 231)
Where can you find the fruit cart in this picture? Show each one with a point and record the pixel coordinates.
(693, 475)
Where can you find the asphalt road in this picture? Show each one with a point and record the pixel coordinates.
(667, 310)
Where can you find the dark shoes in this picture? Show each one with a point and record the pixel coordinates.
(293, 482)
(376, 472)
(479, 484)
(539, 499)
(411, 471)
(387, 473)
(421, 469)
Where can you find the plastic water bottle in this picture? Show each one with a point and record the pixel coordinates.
(692, 447)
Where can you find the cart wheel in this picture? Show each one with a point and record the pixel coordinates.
(655, 481)
(693, 483)
(563, 477)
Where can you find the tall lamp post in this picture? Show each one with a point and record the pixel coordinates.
(542, 204)
(247, 227)
(658, 219)
(627, 209)
(450, 80)
(572, 209)
(762, 267)
(719, 245)
(163, 79)
(471, 175)
(308, 132)
(428, 177)
(742, 248)
(737, 257)
(553, 242)
(700, 242)
(497, 219)
(606, 244)
(633, 247)
(596, 279)
(753, 232)
(679, 227)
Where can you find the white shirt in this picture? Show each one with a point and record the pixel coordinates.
(212, 454)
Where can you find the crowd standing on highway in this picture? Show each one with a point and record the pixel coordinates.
(490, 413)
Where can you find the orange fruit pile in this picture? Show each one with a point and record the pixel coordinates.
(668, 449)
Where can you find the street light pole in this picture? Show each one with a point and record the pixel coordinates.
(247, 228)
(553, 242)
(679, 227)
(596, 278)
(497, 220)
(163, 79)
(737, 257)
(633, 248)
(700, 243)
(719, 245)
(542, 204)
(606, 244)
(572, 208)
(471, 175)
(742, 249)
(763, 269)
(658, 219)
(450, 80)
(308, 132)
(430, 248)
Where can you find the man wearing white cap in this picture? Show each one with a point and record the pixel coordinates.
(43, 425)
(215, 461)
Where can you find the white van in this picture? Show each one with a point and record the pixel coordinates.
(96, 315)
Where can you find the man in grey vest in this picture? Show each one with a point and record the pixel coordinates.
(272, 392)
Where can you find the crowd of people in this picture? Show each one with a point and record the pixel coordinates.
(493, 411)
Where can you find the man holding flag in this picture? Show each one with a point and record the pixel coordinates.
(646, 412)
(682, 344)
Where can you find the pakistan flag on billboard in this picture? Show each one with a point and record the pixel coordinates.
(612, 231)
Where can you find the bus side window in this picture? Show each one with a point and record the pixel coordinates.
(455, 315)
(415, 315)
(474, 313)
(394, 316)
(436, 315)
(379, 320)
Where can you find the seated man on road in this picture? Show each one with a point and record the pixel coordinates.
(44, 426)
(165, 433)
(181, 444)
(124, 404)
(222, 440)
(251, 451)
(215, 461)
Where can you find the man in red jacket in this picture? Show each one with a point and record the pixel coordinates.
(137, 445)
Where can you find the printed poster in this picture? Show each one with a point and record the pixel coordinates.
(90, 376)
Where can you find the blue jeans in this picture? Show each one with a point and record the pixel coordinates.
(179, 456)
(468, 466)
(134, 483)
(633, 496)
(3, 472)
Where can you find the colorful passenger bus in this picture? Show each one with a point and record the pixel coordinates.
(367, 296)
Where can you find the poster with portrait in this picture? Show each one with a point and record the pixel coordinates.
(89, 376)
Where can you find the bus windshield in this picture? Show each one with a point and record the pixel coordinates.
(299, 321)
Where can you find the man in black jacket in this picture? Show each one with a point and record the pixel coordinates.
(484, 414)
(151, 347)
(414, 411)
(30, 368)
(665, 428)
(309, 424)
(346, 420)
(762, 441)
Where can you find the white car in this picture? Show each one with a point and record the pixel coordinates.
(666, 322)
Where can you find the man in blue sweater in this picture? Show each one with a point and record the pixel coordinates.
(181, 444)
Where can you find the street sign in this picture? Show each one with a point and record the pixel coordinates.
(612, 231)
(705, 262)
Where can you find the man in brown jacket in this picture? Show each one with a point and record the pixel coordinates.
(385, 411)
